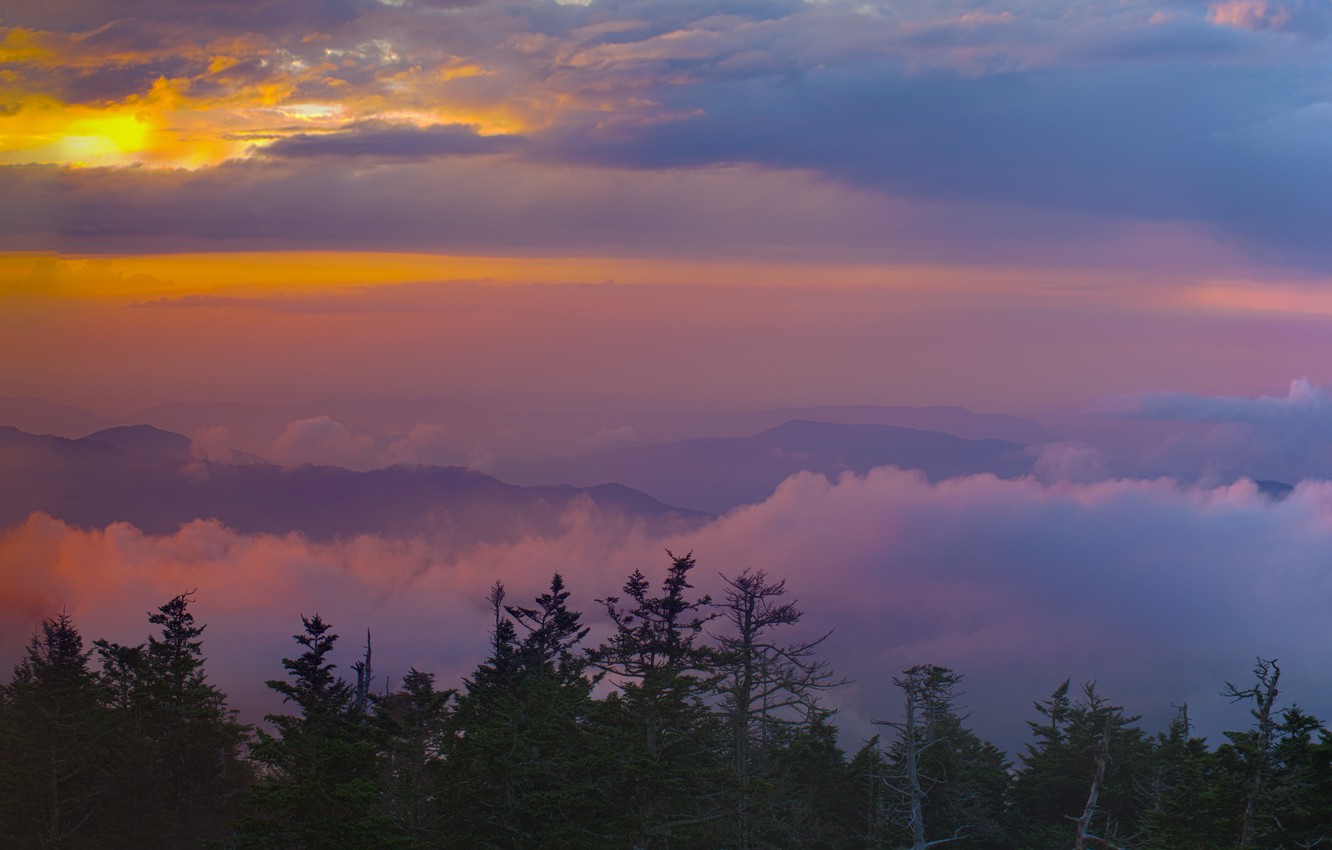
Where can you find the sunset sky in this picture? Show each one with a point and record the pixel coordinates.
(1037, 207)
(1003, 205)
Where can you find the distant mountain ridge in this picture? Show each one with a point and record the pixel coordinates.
(461, 432)
(39, 416)
(945, 419)
(719, 473)
(144, 440)
(89, 482)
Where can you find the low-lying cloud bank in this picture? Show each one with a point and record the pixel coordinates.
(1158, 591)
(1216, 438)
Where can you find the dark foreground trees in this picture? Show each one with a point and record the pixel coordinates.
(657, 722)
(319, 767)
(525, 760)
(943, 784)
(691, 724)
(143, 754)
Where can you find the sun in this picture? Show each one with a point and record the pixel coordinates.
(73, 137)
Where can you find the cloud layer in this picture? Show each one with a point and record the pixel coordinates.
(1037, 117)
(1158, 591)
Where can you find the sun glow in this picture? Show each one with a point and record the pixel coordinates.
(50, 132)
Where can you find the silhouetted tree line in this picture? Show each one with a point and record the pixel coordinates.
(706, 732)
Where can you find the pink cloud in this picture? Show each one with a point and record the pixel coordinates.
(1249, 14)
(1159, 591)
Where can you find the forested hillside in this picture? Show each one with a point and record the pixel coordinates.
(695, 723)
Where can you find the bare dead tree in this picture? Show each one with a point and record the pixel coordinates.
(363, 679)
(1094, 794)
(928, 692)
(1264, 694)
(764, 684)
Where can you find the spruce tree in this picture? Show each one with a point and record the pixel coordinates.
(321, 768)
(196, 734)
(57, 742)
(664, 737)
(414, 724)
(521, 762)
(1083, 776)
(943, 783)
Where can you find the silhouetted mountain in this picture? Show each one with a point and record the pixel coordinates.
(719, 473)
(37, 416)
(534, 433)
(957, 421)
(16, 444)
(144, 440)
(92, 483)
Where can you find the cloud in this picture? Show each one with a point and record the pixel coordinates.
(1160, 592)
(1070, 461)
(1307, 17)
(392, 142)
(1215, 438)
(1046, 113)
(427, 444)
(323, 441)
(1305, 405)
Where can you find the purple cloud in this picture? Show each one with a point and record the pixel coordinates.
(1160, 592)
(386, 141)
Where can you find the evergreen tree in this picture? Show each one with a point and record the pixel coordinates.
(136, 811)
(814, 794)
(1082, 777)
(661, 731)
(197, 736)
(1190, 798)
(415, 725)
(56, 746)
(320, 788)
(1300, 787)
(521, 760)
(1253, 750)
(944, 782)
(178, 745)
